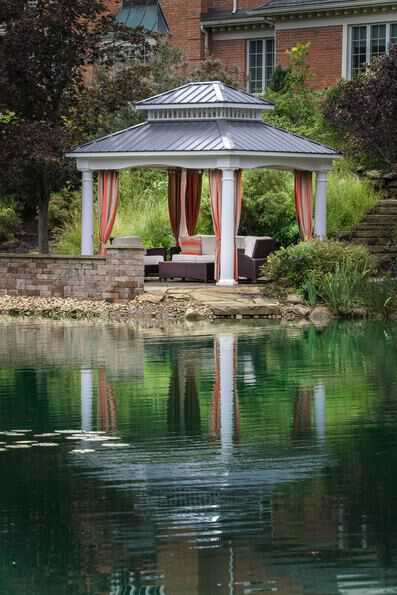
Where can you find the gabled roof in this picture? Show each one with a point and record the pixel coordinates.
(204, 136)
(202, 93)
(148, 15)
(300, 5)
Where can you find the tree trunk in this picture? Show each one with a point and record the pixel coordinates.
(43, 226)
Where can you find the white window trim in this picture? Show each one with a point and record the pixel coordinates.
(348, 61)
(264, 39)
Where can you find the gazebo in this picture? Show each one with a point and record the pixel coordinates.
(203, 126)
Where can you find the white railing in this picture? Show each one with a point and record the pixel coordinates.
(216, 113)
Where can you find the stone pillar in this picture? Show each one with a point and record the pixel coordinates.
(320, 220)
(228, 233)
(87, 215)
(125, 269)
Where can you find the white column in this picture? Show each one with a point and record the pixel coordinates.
(319, 411)
(183, 225)
(227, 229)
(226, 362)
(86, 399)
(320, 220)
(87, 215)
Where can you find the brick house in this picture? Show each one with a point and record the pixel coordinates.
(254, 35)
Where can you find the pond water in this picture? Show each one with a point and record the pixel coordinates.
(236, 460)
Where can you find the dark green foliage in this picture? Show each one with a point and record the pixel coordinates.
(379, 296)
(268, 207)
(297, 106)
(46, 105)
(296, 264)
(364, 112)
(213, 69)
(9, 221)
(45, 45)
(279, 79)
(350, 287)
(336, 274)
(341, 288)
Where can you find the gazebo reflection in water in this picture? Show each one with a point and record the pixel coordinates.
(190, 526)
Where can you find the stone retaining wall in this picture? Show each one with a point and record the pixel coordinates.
(118, 277)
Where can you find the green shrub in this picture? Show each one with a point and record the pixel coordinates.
(9, 221)
(298, 108)
(62, 208)
(349, 199)
(341, 289)
(379, 296)
(350, 286)
(67, 239)
(296, 264)
(269, 206)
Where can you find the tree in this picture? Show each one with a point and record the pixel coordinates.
(42, 53)
(364, 112)
(213, 69)
(131, 65)
(297, 105)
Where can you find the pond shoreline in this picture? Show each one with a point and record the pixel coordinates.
(166, 304)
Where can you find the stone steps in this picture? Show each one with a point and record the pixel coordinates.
(378, 231)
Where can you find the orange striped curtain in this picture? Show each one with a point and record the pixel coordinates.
(304, 203)
(193, 199)
(107, 407)
(108, 201)
(174, 201)
(215, 179)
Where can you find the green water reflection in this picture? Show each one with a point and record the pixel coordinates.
(259, 459)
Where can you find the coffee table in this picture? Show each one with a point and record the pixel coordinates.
(201, 271)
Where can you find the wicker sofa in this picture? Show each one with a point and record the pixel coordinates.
(252, 253)
(152, 259)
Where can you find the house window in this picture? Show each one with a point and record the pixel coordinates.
(369, 42)
(260, 64)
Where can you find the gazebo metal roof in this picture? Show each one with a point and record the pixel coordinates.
(203, 119)
(204, 136)
(205, 93)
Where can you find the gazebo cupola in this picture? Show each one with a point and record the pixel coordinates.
(203, 101)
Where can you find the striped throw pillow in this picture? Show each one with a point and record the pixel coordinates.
(190, 245)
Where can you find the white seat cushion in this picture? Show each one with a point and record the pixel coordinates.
(153, 259)
(208, 244)
(193, 258)
(240, 242)
(250, 242)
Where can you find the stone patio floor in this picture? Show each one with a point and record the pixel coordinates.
(245, 300)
